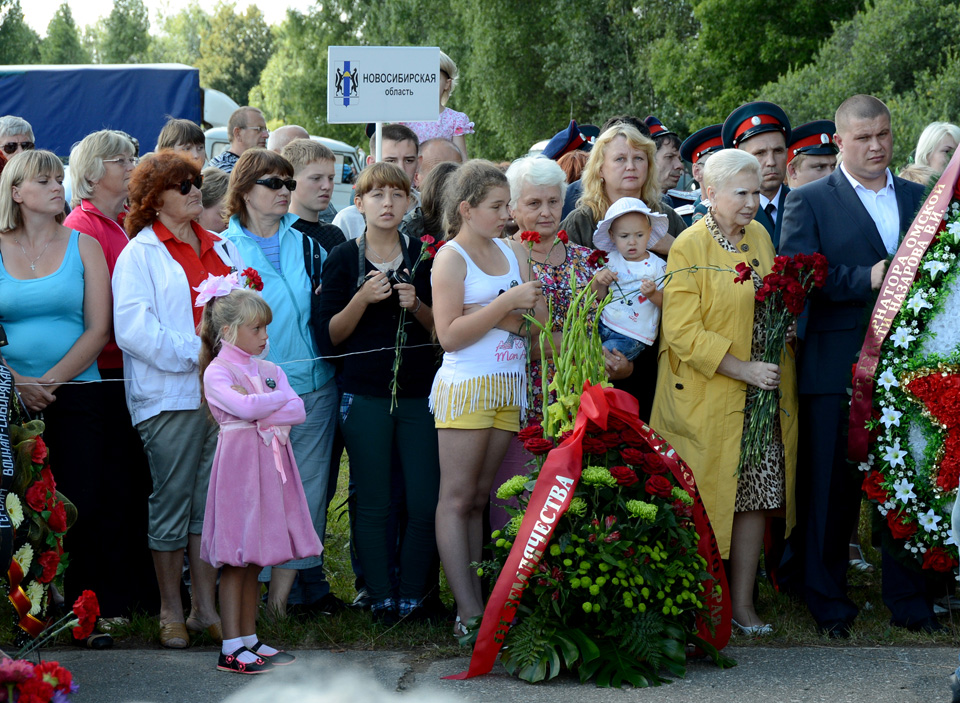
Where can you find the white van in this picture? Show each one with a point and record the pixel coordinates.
(345, 174)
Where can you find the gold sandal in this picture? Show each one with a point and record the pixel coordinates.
(214, 631)
(174, 635)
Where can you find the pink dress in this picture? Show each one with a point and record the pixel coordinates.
(451, 124)
(256, 512)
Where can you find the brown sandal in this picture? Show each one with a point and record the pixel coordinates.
(174, 635)
(214, 631)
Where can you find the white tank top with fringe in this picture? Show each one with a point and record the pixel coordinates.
(495, 363)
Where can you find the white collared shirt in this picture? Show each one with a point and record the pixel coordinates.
(764, 201)
(882, 208)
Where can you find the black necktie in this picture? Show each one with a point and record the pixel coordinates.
(770, 209)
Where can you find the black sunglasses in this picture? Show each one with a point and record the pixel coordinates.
(11, 147)
(278, 183)
(186, 185)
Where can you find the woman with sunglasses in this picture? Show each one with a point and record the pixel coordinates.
(155, 322)
(262, 229)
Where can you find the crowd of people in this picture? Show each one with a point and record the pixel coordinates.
(142, 286)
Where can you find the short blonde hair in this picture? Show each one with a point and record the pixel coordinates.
(86, 161)
(214, 188)
(594, 193)
(23, 167)
(930, 137)
(450, 68)
(727, 163)
(303, 152)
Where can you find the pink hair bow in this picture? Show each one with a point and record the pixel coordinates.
(215, 287)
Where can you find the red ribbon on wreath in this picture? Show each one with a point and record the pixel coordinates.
(21, 602)
(551, 497)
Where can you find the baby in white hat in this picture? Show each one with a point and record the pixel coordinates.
(629, 323)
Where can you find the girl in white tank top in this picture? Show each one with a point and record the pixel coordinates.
(480, 291)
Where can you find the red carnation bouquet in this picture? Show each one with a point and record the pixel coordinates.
(783, 293)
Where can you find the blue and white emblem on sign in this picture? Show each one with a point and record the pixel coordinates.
(347, 82)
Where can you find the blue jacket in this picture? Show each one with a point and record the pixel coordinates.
(288, 294)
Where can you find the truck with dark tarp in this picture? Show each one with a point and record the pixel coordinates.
(64, 104)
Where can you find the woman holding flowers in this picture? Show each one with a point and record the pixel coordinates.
(368, 283)
(711, 343)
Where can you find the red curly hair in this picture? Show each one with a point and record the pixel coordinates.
(155, 174)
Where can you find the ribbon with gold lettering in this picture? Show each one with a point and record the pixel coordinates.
(21, 602)
(551, 497)
(900, 276)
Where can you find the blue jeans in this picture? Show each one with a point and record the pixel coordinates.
(614, 341)
(311, 443)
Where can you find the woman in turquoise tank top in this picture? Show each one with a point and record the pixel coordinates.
(55, 309)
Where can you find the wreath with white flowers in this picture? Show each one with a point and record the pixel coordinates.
(914, 465)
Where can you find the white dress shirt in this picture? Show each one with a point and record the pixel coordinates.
(882, 208)
(764, 201)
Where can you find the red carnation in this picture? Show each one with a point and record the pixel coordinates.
(53, 670)
(34, 690)
(624, 474)
(873, 488)
(427, 240)
(253, 279)
(46, 475)
(743, 272)
(530, 237)
(49, 561)
(562, 236)
(936, 558)
(659, 486)
(58, 518)
(87, 610)
(530, 432)
(597, 258)
(39, 452)
(898, 528)
(634, 457)
(538, 446)
(594, 445)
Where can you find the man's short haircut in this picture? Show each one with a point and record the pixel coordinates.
(437, 141)
(11, 125)
(395, 133)
(176, 132)
(664, 139)
(238, 120)
(303, 152)
(859, 107)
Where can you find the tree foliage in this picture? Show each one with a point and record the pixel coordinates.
(178, 40)
(62, 43)
(125, 37)
(18, 42)
(234, 51)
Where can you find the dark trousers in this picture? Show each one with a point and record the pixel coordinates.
(372, 434)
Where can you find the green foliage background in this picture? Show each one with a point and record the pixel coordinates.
(527, 68)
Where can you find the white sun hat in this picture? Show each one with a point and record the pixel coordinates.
(658, 222)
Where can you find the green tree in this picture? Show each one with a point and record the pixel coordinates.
(19, 44)
(739, 47)
(180, 35)
(126, 33)
(62, 43)
(235, 50)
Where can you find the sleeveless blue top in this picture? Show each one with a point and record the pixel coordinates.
(43, 317)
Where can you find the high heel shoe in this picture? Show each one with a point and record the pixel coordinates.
(754, 630)
(860, 564)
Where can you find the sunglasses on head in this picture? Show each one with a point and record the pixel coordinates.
(189, 183)
(11, 147)
(278, 183)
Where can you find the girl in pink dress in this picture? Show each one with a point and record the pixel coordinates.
(451, 125)
(256, 513)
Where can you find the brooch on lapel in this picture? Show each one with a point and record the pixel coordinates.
(271, 383)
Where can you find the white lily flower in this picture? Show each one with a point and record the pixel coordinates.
(894, 455)
(890, 416)
(888, 380)
(902, 337)
(935, 268)
(904, 490)
(918, 303)
(929, 520)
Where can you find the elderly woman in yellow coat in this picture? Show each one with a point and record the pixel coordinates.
(710, 351)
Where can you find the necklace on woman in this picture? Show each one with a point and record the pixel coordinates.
(389, 257)
(33, 264)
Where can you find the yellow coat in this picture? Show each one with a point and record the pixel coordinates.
(706, 314)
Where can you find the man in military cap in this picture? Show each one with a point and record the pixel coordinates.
(762, 129)
(695, 150)
(812, 152)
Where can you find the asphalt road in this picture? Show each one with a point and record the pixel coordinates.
(827, 674)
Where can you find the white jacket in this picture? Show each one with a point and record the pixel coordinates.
(153, 324)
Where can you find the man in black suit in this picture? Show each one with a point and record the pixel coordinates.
(763, 129)
(855, 217)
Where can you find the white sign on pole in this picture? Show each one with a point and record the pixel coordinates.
(383, 84)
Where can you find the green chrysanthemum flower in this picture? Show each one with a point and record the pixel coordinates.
(645, 511)
(681, 495)
(513, 486)
(578, 507)
(513, 526)
(598, 476)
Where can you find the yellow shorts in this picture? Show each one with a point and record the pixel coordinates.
(487, 411)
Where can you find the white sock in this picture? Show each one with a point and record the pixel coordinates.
(250, 641)
(232, 645)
